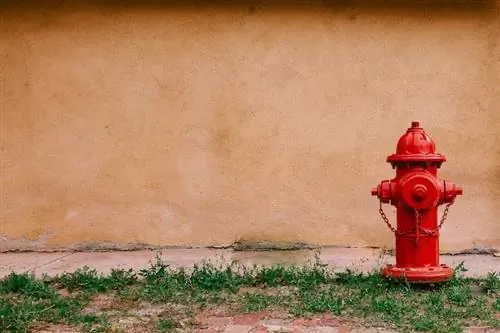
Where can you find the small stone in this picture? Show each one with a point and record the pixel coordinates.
(476, 330)
(273, 321)
(59, 328)
(307, 322)
(237, 329)
(329, 319)
(279, 314)
(218, 321)
(249, 319)
(128, 322)
(278, 328)
(324, 329)
(261, 329)
(344, 329)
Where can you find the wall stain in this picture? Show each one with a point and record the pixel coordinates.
(28, 243)
(228, 126)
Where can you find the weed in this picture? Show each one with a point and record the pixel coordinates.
(491, 284)
(459, 295)
(425, 324)
(27, 301)
(322, 301)
(90, 280)
(303, 277)
(25, 284)
(166, 325)
(156, 272)
(82, 279)
(212, 278)
(254, 302)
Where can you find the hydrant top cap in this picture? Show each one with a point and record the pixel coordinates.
(416, 146)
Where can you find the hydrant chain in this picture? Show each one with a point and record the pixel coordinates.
(389, 225)
(435, 232)
(385, 219)
(418, 219)
(445, 215)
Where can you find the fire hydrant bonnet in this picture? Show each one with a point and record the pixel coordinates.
(416, 146)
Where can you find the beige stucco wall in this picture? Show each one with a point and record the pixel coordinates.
(207, 123)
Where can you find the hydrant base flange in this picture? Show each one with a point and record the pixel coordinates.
(437, 274)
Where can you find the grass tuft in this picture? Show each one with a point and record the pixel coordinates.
(166, 325)
(89, 280)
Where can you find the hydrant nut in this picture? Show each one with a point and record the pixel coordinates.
(419, 193)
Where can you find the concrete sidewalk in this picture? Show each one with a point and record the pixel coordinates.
(338, 259)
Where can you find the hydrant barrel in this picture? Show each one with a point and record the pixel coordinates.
(417, 192)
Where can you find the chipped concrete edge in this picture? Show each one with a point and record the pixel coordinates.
(471, 251)
(236, 246)
(272, 246)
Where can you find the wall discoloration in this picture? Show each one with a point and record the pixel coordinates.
(181, 124)
(34, 241)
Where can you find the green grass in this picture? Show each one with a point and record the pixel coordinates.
(166, 325)
(27, 302)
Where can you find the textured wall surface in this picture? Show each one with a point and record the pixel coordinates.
(207, 123)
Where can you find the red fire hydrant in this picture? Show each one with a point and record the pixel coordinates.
(416, 192)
